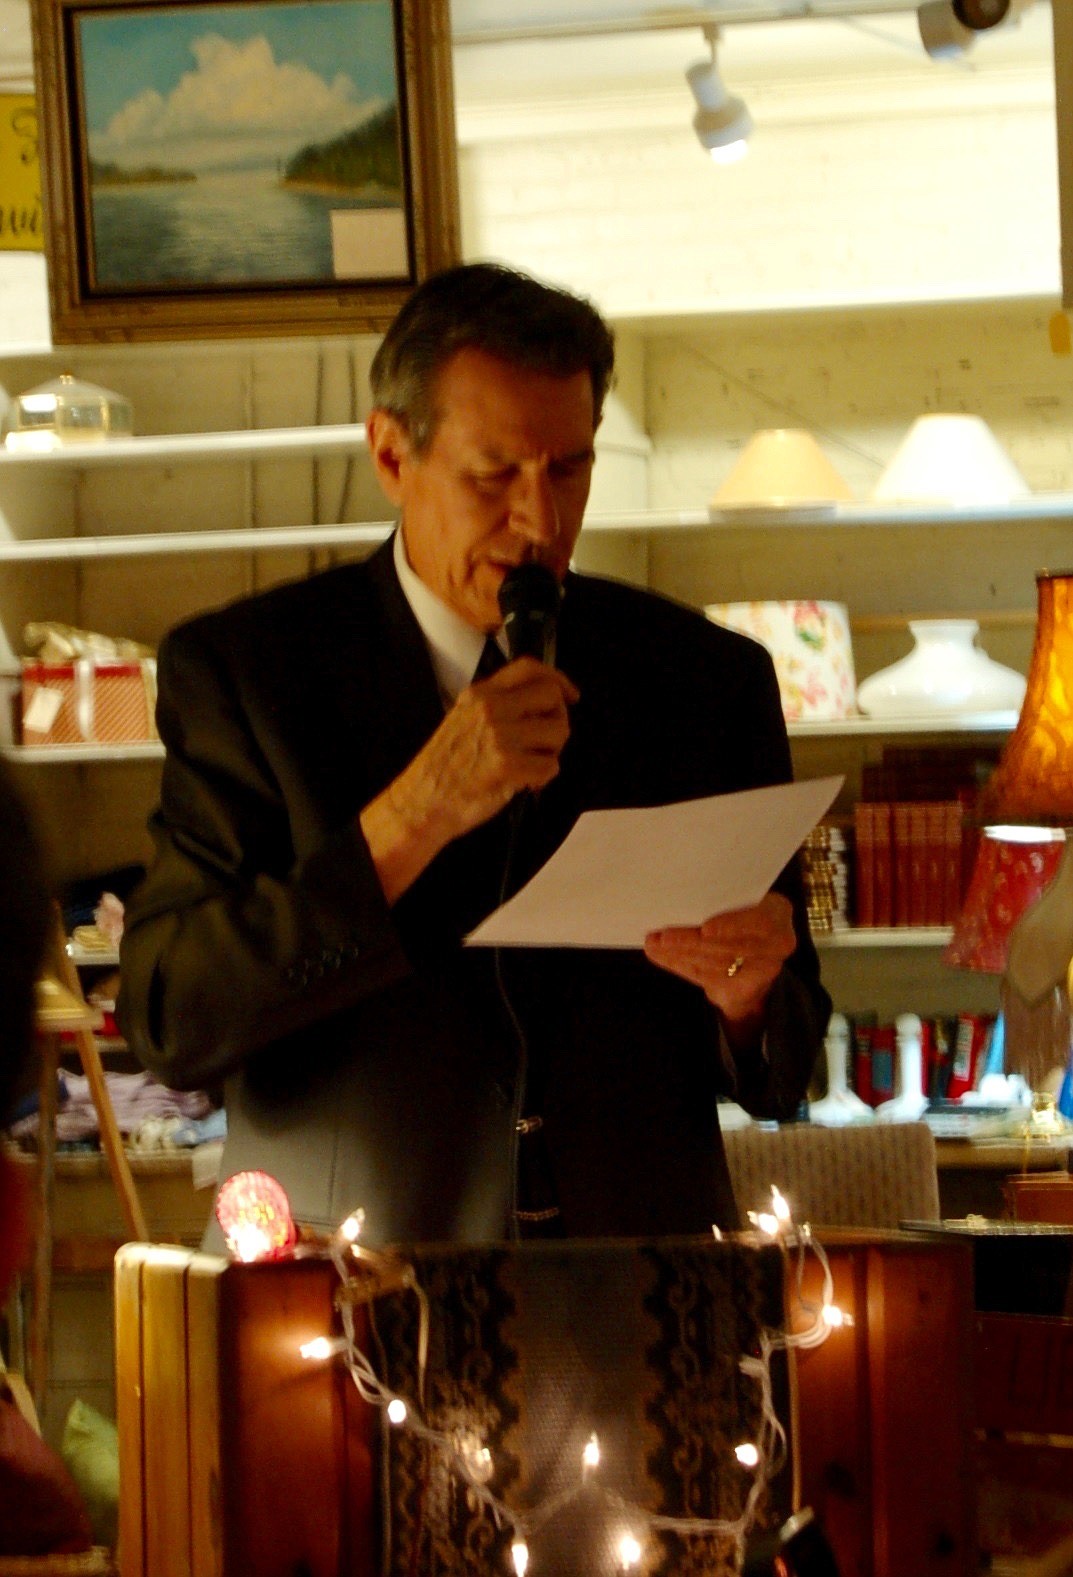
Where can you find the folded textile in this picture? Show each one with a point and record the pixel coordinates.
(135, 1097)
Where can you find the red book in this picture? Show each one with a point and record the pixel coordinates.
(918, 860)
(864, 845)
(900, 855)
(934, 863)
(862, 1061)
(883, 885)
(972, 1031)
(953, 891)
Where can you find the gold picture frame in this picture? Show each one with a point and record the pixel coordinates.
(222, 168)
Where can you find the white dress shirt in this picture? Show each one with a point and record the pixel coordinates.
(454, 646)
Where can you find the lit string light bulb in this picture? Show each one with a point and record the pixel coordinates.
(323, 1347)
(350, 1230)
(477, 1457)
(590, 1456)
(629, 1552)
(748, 1454)
(397, 1410)
(519, 1554)
(775, 1221)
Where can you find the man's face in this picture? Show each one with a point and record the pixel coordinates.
(503, 482)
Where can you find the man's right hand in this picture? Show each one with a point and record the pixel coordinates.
(503, 735)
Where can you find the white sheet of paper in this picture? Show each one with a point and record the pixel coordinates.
(622, 873)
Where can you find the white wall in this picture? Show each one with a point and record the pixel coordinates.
(854, 197)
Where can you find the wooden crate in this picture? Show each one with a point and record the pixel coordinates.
(885, 1408)
(239, 1459)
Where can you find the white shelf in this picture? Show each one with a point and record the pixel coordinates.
(864, 727)
(258, 539)
(1038, 507)
(885, 936)
(972, 723)
(263, 443)
(313, 440)
(59, 755)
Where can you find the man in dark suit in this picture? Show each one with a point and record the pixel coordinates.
(343, 800)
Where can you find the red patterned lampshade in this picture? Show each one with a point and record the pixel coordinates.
(1008, 878)
(1033, 782)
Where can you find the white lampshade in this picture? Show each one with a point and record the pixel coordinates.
(781, 467)
(951, 459)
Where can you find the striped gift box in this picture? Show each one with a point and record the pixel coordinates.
(51, 714)
(123, 702)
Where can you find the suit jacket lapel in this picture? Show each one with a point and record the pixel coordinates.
(406, 708)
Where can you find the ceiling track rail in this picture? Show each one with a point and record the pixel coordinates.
(680, 20)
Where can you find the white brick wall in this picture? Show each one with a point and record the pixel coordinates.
(884, 207)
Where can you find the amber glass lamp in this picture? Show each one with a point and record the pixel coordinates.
(1032, 786)
(1033, 782)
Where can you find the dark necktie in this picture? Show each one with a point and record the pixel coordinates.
(491, 660)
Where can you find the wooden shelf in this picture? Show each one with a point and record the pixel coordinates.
(885, 936)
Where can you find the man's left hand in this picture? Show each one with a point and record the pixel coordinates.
(734, 958)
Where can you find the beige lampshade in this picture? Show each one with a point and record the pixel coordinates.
(781, 467)
(950, 459)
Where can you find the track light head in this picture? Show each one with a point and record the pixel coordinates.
(944, 37)
(948, 28)
(722, 122)
(979, 15)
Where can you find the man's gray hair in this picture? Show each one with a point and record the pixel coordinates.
(498, 310)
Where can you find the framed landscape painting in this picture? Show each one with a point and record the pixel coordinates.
(230, 167)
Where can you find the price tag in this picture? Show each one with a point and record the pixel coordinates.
(42, 711)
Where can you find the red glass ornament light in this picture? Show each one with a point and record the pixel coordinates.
(255, 1216)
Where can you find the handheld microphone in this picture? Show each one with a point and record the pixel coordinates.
(529, 601)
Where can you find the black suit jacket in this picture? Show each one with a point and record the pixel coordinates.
(368, 1058)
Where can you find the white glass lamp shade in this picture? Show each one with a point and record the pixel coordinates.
(944, 674)
(781, 467)
(811, 648)
(951, 459)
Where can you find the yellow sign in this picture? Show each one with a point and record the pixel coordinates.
(20, 175)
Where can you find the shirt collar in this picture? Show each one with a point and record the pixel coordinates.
(453, 645)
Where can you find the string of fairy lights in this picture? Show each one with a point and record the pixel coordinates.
(257, 1224)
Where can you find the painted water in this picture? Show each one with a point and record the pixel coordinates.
(237, 227)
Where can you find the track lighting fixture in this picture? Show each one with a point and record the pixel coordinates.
(722, 122)
(949, 27)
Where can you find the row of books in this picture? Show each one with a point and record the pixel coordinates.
(913, 861)
(954, 1054)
